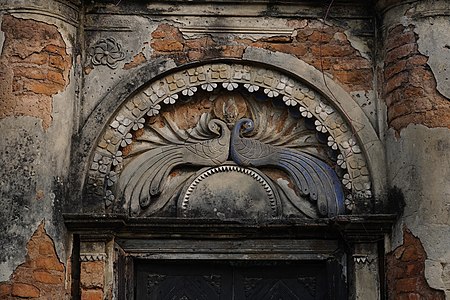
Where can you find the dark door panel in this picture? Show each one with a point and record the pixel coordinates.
(231, 280)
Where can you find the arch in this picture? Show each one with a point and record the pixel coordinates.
(297, 83)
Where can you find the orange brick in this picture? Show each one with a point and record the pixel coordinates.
(46, 277)
(49, 264)
(167, 45)
(24, 290)
(91, 294)
(92, 274)
(5, 290)
(39, 87)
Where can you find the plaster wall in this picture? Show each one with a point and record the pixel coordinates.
(417, 155)
(35, 143)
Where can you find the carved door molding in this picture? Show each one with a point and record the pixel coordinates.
(177, 133)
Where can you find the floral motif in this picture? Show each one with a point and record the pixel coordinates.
(126, 140)
(117, 158)
(101, 163)
(111, 178)
(137, 105)
(230, 85)
(305, 112)
(285, 84)
(271, 93)
(196, 74)
(367, 192)
(171, 99)
(109, 197)
(242, 73)
(337, 125)
(209, 86)
(347, 181)
(341, 161)
(189, 91)
(154, 110)
(349, 202)
(251, 87)
(289, 101)
(332, 143)
(324, 110)
(138, 124)
(351, 145)
(320, 127)
(120, 123)
(106, 52)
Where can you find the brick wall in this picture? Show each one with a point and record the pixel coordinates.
(325, 47)
(410, 87)
(34, 66)
(405, 272)
(41, 276)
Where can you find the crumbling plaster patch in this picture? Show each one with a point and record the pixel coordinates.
(419, 163)
(434, 42)
(36, 164)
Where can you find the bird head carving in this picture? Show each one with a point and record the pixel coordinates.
(244, 126)
(217, 126)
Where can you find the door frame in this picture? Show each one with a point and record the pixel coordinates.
(234, 249)
(352, 244)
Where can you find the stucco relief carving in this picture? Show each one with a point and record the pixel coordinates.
(152, 149)
(106, 52)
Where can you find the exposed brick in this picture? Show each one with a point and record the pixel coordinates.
(394, 69)
(333, 50)
(400, 52)
(352, 65)
(49, 264)
(40, 87)
(405, 277)
(277, 39)
(404, 38)
(41, 275)
(296, 49)
(396, 81)
(199, 43)
(232, 51)
(34, 53)
(138, 59)
(46, 248)
(5, 290)
(408, 284)
(57, 61)
(24, 290)
(410, 87)
(47, 277)
(167, 45)
(91, 294)
(92, 274)
(195, 55)
(319, 37)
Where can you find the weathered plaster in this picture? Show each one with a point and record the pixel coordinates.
(419, 163)
(36, 162)
(359, 44)
(133, 33)
(434, 42)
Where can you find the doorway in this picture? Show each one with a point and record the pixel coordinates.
(233, 280)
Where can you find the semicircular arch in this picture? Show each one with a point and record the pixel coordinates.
(298, 85)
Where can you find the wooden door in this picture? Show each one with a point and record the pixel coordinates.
(231, 280)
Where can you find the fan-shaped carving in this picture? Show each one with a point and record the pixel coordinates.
(182, 123)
